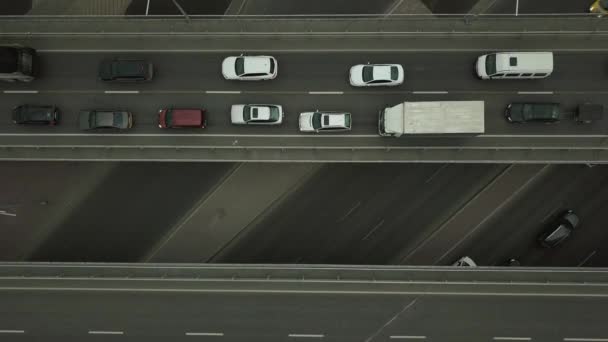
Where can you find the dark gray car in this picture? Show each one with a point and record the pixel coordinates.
(532, 112)
(560, 230)
(126, 70)
(100, 119)
(35, 115)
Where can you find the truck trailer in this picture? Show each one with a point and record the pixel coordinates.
(432, 117)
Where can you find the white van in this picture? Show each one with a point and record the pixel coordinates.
(515, 65)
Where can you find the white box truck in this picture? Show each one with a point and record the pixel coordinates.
(432, 117)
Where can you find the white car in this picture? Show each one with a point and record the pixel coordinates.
(465, 261)
(249, 68)
(318, 121)
(256, 114)
(374, 75)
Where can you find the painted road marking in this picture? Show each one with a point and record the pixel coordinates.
(12, 331)
(223, 91)
(429, 92)
(584, 339)
(306, 335)
(121, 91)
(204, 334)
(105, 332)
(325, 92)
(21, 91)
(535, 92)
(507, 338)
(3, 212)
(404, 337)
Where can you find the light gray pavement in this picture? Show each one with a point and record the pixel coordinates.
(443, 245)
(408, 7)
(42, 196)
(232, 207)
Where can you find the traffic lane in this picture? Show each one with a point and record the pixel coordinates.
(362, 214)
(238, 316)
(297, 229)
(273, 317)
(512, 232)
(396, 220)
(364, 109)
(314, 71)
(539, 7)
(126, 214)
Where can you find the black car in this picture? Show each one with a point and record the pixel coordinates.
(36, 115)
(560, 230)
(532, 112)
(126, 70)
(96, 119)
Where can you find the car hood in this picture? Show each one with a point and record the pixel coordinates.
(305, 122)
(356, 74)
(236, 114)
(228, 69)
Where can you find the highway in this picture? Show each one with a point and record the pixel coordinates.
(536, 305)
(306, 81)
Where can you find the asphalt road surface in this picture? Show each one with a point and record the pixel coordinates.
(69, 81)
(161, 310)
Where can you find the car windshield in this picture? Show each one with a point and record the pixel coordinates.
(316, 120)
(247, 113)
(239, 66)
(272, 66)
(274, 113)
(559, 234)
(117, 119)
(368, 73)
(169, 117)
(394, 73)
(347, 120)
(491, 64)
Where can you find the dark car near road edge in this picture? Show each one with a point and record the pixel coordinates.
(125, 70)
(35, 115)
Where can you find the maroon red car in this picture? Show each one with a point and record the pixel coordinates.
(181, 117)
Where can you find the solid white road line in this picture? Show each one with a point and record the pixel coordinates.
(105, 332)
(121, 91)
(584, 339)
(306, 335)
(21, 91)
(429, 92)
(325, 92)
(203, 334)
(535, 92)
(507, 338)
(12, 331)
(404, 337)
(223, 91)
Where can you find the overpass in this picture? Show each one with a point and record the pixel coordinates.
(314, 54)
(144, 302)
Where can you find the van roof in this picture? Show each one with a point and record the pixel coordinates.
(524, 62)
(187, 116)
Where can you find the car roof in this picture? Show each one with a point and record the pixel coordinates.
(259, 112)
(256, 64)
(382, 72)
(333, 120)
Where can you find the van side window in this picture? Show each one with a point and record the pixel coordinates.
(526, 75)
(513, 61)
(512, 75)
(540, 75)
(498, 75)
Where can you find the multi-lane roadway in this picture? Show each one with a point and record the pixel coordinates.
(306, 81)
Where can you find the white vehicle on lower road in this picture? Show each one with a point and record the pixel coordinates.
(249, 68)
(374, 75)
(256, 114)
(319, 121)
